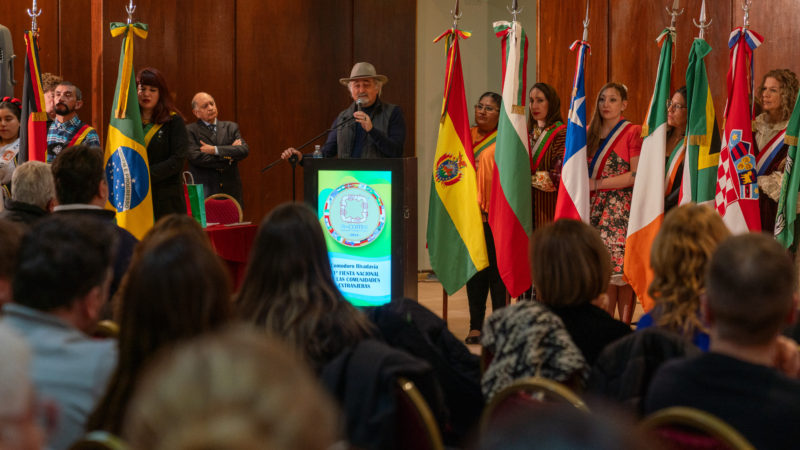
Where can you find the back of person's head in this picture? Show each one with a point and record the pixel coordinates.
(10, 239)
(750, 289)
(182, 224)
(679, 258)
(289, 288)
(32, 183)
(61, 259)
(569, 262)
(18, 428)
(237, 390)
(78, 171)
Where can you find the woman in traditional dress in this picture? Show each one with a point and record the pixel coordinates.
(613, 147)
(10, 110)
(546, 134)
(484, 134)
(777, 95)
(166, 141)
(676, 145)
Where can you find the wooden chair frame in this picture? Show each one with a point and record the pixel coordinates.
(699, 420)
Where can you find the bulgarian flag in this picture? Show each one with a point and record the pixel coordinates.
(33, 128)
(702, 133)
(647, 205)
(125, 160)
(456, 244)
(573, 191)
(510, 211)
(737, 191)
(786, 219)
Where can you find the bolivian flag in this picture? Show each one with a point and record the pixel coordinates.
(456, 244)
(127, 170)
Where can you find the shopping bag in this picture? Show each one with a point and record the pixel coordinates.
(195, 200)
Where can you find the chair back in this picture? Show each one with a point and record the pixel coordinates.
(222, 208)
(681, 427)
(99, 440)
(106, 329)
(416, 426)
(527, 393)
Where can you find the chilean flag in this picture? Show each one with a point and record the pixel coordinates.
(573, 192)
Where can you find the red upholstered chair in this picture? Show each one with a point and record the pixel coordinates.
(222, 208)
(684, 428)
(416, 426)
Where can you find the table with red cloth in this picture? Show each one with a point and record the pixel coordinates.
(233, 243)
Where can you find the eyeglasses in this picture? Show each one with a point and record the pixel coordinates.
(671, 105)
(488, 109)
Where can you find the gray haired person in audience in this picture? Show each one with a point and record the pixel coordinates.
(33, 193)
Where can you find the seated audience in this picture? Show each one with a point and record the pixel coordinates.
(679, 257)
(289, 290)
(571, 269)
(749, 297)
(33, 193)
(10, 238)
(82, 189)
(18, 427)
(61, 285)
(175, 289)
(234, 390)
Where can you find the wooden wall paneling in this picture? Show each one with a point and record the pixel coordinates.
(384, 34)
(290, 56)
(558, 26)
(75, 55)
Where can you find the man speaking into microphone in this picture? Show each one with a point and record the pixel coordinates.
(368, 128)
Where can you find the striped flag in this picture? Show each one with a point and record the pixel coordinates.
(737, 191)
(786, 219)
(510, 211)
(573, 192)
(702, 133)
(33, 128)
(647, 205)
(125, 160)
(456, 244)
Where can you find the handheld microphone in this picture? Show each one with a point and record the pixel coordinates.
(359, 101)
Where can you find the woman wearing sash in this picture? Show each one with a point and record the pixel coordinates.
(484, 134)
(166, 141)
(546, 135)
(777, 95)
(676, 144)
(10, 112)
(613, 147)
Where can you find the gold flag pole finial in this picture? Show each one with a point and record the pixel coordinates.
(514, 9)
(130, 8)
(456, 12)
(704, 22)
(674, 13)
(586, 23)
(34, 12)
(746, 8)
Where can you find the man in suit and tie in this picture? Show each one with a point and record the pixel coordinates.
(215, 149)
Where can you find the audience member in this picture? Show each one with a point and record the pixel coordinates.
(679, 258)
(749, 297)
(176, 288)
(66, 129)
(61, 284)
(49, 83)
(236, 390)
(34, 193)
(18, 427)
(571, 269)
(82, 189)
(289, 290)
(10, 110)
(10, 238)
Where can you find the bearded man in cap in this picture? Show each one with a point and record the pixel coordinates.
(368, 128)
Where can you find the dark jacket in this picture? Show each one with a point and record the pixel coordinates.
(20, 212)
(217, 173)
(166, 155)
(591, 328)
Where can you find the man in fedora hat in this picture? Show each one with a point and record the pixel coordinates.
(368, 128)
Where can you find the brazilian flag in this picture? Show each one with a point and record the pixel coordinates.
(127, 170)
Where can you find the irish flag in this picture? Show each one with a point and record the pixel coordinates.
(510, 213)
(647, 205)
(456, 244)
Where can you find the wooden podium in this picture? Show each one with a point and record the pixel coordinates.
(325, 178)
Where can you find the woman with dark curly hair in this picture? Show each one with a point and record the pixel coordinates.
(680, 254)
(546, 134)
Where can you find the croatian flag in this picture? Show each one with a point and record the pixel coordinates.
(573, 192)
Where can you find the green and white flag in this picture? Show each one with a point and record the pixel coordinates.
(787, 203)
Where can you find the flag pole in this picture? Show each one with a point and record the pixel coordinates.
(674, 13)
(746, 4)
(514, 9)
(456, 12)
(586, 23)
(34, 13)
(704, 22)
(130, 8)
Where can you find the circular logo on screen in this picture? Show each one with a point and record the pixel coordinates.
(354, 214)
(128, 179)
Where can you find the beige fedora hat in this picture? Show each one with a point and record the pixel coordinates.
(361, 71)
